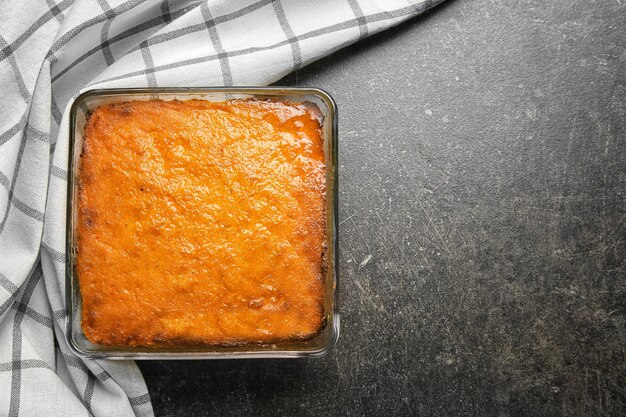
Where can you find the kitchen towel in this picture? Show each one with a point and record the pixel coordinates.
(50, 51)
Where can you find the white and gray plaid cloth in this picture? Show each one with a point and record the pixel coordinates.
(50, 50)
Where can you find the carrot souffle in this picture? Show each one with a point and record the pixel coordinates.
(202, 223)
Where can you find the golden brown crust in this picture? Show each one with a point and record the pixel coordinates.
(201, 223)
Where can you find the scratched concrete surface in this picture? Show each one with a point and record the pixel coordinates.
(483, 213)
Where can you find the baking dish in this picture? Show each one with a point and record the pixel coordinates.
(320, 344)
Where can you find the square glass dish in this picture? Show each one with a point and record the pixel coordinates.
(320, 344)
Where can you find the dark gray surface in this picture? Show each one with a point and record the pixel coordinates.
(483, 213)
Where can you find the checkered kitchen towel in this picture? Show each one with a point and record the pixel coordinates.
(50, 50)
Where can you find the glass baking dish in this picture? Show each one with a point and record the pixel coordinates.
(320, 344)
